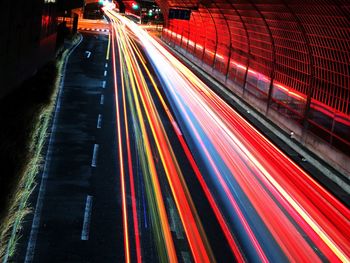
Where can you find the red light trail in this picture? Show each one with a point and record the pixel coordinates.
(267, 207)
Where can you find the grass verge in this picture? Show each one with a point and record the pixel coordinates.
(25, 117)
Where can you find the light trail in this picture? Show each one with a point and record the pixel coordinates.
(261, 199)
(149, 167)
(131, 175)
(216, 210)
(173, 173)
(172, 170)
(121, 159)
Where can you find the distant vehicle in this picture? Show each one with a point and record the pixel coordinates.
(93, 11)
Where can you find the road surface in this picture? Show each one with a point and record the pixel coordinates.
(148, 164)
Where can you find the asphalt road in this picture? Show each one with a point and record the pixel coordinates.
(146, 220)
(125, 180)
(80, 215)
(75, 172)
(257, 192)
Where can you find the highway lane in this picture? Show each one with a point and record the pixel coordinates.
(80, 211)
(152, 158)
(268, 209)
(88, 186)
(149, 165)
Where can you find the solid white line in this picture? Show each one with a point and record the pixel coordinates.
(39, 203)
(99, 120)
(94, 155)
(105, 73)
(87, 216)
(104, 84)
(102, 99)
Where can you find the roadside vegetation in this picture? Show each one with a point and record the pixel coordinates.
(25, 117)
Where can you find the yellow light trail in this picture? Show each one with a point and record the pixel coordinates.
(121, 160)
(292, 201)
(122, 45)
(258, 167)
(195, 234)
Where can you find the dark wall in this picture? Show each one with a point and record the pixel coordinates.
(27, 40)
(69, 4)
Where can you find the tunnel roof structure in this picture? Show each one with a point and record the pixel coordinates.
(302, 44)
(282, 51)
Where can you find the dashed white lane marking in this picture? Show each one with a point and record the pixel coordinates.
(105, 73)
(106, 65)
(102, 99)
(87, 216)
(104, 84)
(175, 225)
(99, 121)
(186, 257)
(94, 155)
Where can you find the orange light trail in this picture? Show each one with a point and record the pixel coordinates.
(253, 178)
(216, 210)
(121, 160)
(172, 170)
(131, 176)
(122, 45)
(228, 125)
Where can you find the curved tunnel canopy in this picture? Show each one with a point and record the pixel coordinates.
(293, 54)
(303, 46)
